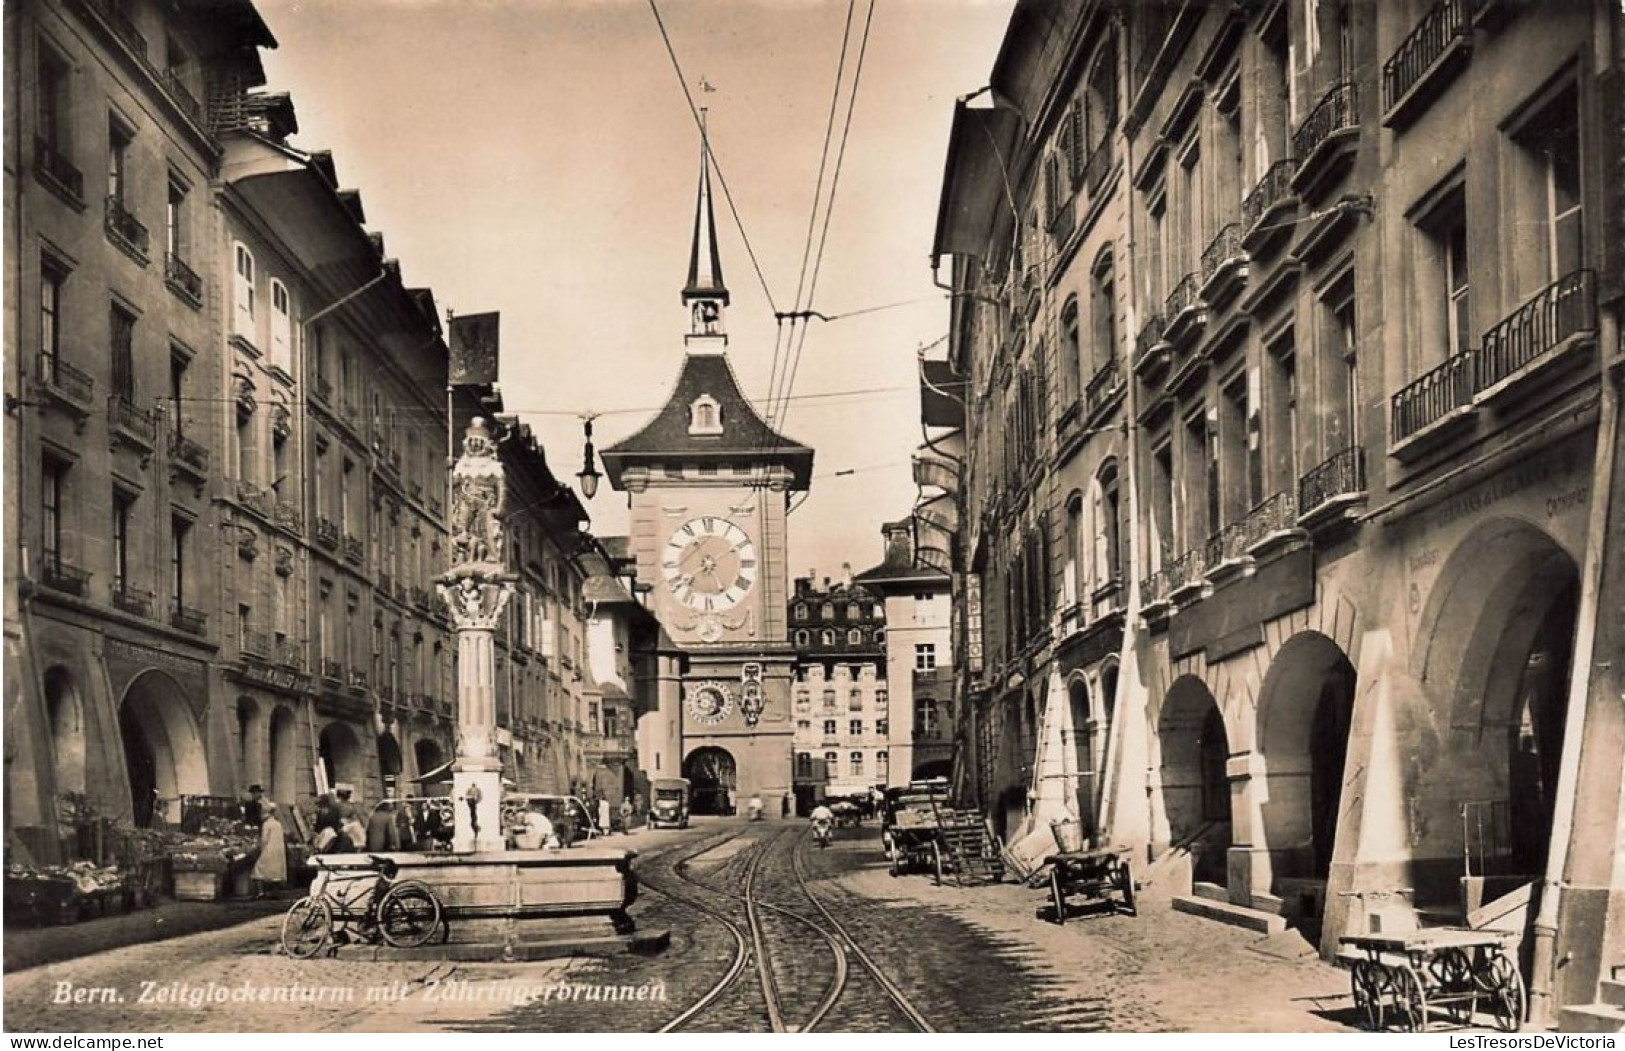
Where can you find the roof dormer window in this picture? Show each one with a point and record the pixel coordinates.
(704, 416)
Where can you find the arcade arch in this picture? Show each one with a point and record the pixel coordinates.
(163, 749)
(1195, 787)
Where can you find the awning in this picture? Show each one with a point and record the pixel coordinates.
(942, 395)
(436, 776)
(974, 179)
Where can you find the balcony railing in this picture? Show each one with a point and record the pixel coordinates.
(125, 229)
(119, 22)
(182, 94)
(185, 618)
(290, 654)
(327, 532)
(1101, 387)
(59, 575)
(1187, 295)
(1150, 336)
(1277, 514)
(1445, 23)
(286, 514)
(1342, 474)
(1099, 164)
(1273, 189)
(133, 600)
(57, 171)
(66, 380)
(1338, 110)
(354, 551)
(182, 278)
(358, 678)
(1228, 545)
(332, 670)
(1564, 308)
(256, 644)
(1223, 251)
(138, 424)
(189, 453)
(1438, 392)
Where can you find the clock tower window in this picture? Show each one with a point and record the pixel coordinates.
(704, 416)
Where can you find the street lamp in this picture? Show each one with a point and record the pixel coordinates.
(588, 475)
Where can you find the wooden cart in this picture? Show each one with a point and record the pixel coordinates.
(1100, 875)
(1398, 979)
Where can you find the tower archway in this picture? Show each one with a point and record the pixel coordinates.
(712, 775)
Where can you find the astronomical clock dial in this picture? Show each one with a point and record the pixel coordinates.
(709, 563)
(709, 703)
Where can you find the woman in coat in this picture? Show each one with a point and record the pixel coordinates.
(271, 868)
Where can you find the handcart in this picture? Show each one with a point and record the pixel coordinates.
(1101, 874)
(1400, 978)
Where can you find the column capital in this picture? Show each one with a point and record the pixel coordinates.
(476, 601)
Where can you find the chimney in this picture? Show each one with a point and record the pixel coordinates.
(846, 574)
(899, 543)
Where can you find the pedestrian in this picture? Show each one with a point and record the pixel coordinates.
(626, 816)
(271, 867)
(382, 835)
(784, 805)
(604, 819)
(253, 809)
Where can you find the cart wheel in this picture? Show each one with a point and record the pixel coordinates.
(1124, 878)
(1367, 981)
(1057, 895)
(1507, 1000)
(1410, 1001)
(306, 928)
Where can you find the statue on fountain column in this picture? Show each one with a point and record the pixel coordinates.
(477, 499)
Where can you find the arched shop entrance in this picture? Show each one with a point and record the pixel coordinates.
(1305, 710)
(163, 751)
(1495, 651)
(340, 752)
(1195, 787)
(712, 776)
(66, 711)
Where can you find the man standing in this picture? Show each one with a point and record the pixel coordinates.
(382, 834)
(253, 806)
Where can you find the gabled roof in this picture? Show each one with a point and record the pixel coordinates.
(746, 439)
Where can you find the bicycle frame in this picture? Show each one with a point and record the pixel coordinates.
(353, 897)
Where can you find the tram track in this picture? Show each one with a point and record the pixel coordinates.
(764, 928)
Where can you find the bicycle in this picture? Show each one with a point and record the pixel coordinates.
(370, 901)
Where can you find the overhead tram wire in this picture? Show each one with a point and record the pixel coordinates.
(727, 193)
(829, 209)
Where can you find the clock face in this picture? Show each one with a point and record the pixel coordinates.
(709, 564)
(709, 703)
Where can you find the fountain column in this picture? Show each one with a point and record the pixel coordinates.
(476, 588)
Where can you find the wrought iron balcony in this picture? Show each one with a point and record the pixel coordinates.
(286, 514)
(1102, 387)
(290, 654)
(332, 670)
(256, 644)
(182, 279)
(1433, 48)
(189, 454)
(125, 230)
(182, 94)
(1436, 394)
(65, 381)
(354, 551)
(119, 22)
(1275, 517)
(138, 425)
(1273, 191)
(1149, 342)
(184, 618)
(1335, 119)
(327, 532)
(58, 575)
(1186, 295)
(133, 600)
(1226, 547)
(55, 171)
(1341, 476)
(1563, 309)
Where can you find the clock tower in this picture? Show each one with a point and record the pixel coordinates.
(709, 483)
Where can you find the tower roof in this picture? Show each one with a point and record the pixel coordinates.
(704, 262)
(739, 438)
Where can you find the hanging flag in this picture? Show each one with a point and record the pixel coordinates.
(474, 350)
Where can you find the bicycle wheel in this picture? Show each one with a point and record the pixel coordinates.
(408, 915)
(306, 928)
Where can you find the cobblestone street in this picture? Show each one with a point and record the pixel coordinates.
(969, 959)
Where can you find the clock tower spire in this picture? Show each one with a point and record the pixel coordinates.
(705, 295)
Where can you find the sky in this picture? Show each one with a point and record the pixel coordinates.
(538, 158)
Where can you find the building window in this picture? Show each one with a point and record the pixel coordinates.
(854, 700)
(827, 611)
(803, 637)
(705, 416)
(1103, 311)
(1445, 314)
(123, 511)
(281, 328)
(925, 656)
(1340, 368)
(242, 292)
(1071, 353)
(175, 221)
(829, 700)
(829, 727)
(1547, 171)
(52, 87)
(53, 490)
(925, 717)
(1073, 577)
(119, 138)
(1162, 503)
(122, 325)
(854, 727)
(1281, 402)
(832, 762)
(854, 637)
(1236, 496)
(178, 363)
(1109, 527)
(179, 530)
(882, 765)
(803, 765)
(52, 278)
(882, 727)
(856, 761)
(801, 611)
(827, 637)
(245, 446)
(880, 637)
